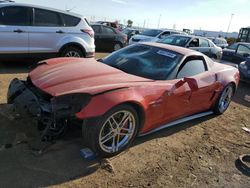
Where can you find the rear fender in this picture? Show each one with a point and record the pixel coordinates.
(228, 76)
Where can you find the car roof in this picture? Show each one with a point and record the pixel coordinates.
(5, 4)
(190, 36)
(180, 50)
(247, 43)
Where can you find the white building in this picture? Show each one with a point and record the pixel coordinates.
(215, 34)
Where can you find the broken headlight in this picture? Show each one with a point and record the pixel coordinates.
(70, 104)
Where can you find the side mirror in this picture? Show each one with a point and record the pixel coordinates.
(192, 83)
(223, 47)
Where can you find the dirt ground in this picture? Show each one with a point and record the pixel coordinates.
(201, 153)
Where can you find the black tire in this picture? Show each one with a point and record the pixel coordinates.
(92, 128)
(117, 46)
(217, 108)
(72, 50)
(214, 56)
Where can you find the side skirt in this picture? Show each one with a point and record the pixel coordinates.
(189, 118)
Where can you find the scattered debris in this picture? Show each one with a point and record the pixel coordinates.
(246, 129)
(247, 98)
(8, 112)
(245, 161)
(88, 154)
(106, 165)
(21, 138)
(39, 150)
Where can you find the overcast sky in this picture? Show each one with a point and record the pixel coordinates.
(193, 14)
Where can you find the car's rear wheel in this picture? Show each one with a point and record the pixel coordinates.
(113, 133)
(72, 52)
(117, 46)
(224, 100)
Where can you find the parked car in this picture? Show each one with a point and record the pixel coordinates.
(115, 25)
(244, 68)
(130, 32)
(135, 91)
(237, 52)
(152, 35)
(35, 31)
(197, 43)
(107, 38)
(221, 42)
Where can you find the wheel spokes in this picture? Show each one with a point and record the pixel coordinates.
(107, 137)
(117, 131)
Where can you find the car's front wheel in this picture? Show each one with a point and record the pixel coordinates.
(113, 133)
(224, 100)
(72, 52)
(117, 46)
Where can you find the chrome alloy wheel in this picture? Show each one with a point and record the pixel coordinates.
(117, 131)
(72, 54)
(225, 98)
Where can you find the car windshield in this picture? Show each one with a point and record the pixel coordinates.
(144, 61)
(127, 31)
(151, 32)
(175, 40)
(247, 44)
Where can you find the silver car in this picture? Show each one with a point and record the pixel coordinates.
(197, 43)
(34, 31)
(153, 35)
(221, 42)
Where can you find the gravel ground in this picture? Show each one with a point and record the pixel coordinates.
(201, 153)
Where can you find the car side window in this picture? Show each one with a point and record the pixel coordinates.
(108, 30)
(233, 46)
(211, 44)
(164, 34)
(243, 50)
(204, 43)
(194, 43)
(16, 16)
(97, 28)
(70, 21)
(192, 67)
(46, 18)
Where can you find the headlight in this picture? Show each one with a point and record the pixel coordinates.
(243, 65)
(69, 105)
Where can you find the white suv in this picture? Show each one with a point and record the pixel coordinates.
(34, 31)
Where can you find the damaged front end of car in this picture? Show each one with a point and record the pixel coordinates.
(53, 113)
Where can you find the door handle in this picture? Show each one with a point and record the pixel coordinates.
(18, 31)
(60, 32)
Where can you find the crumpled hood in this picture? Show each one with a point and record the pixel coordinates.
(74, 75)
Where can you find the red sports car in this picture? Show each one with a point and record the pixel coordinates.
(135, 91)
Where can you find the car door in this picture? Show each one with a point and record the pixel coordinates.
(229, 52)
(241, 53)
(107, 37)
(193, 44)
(46, 31)
(204, 47)
(98, 40)
(202, 84)
(14, 26)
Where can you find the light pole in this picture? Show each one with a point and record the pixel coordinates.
(159, 21)
(230, 21)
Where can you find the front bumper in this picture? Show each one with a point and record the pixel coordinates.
(26, 103)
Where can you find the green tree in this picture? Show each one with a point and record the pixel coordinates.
(130, 23)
